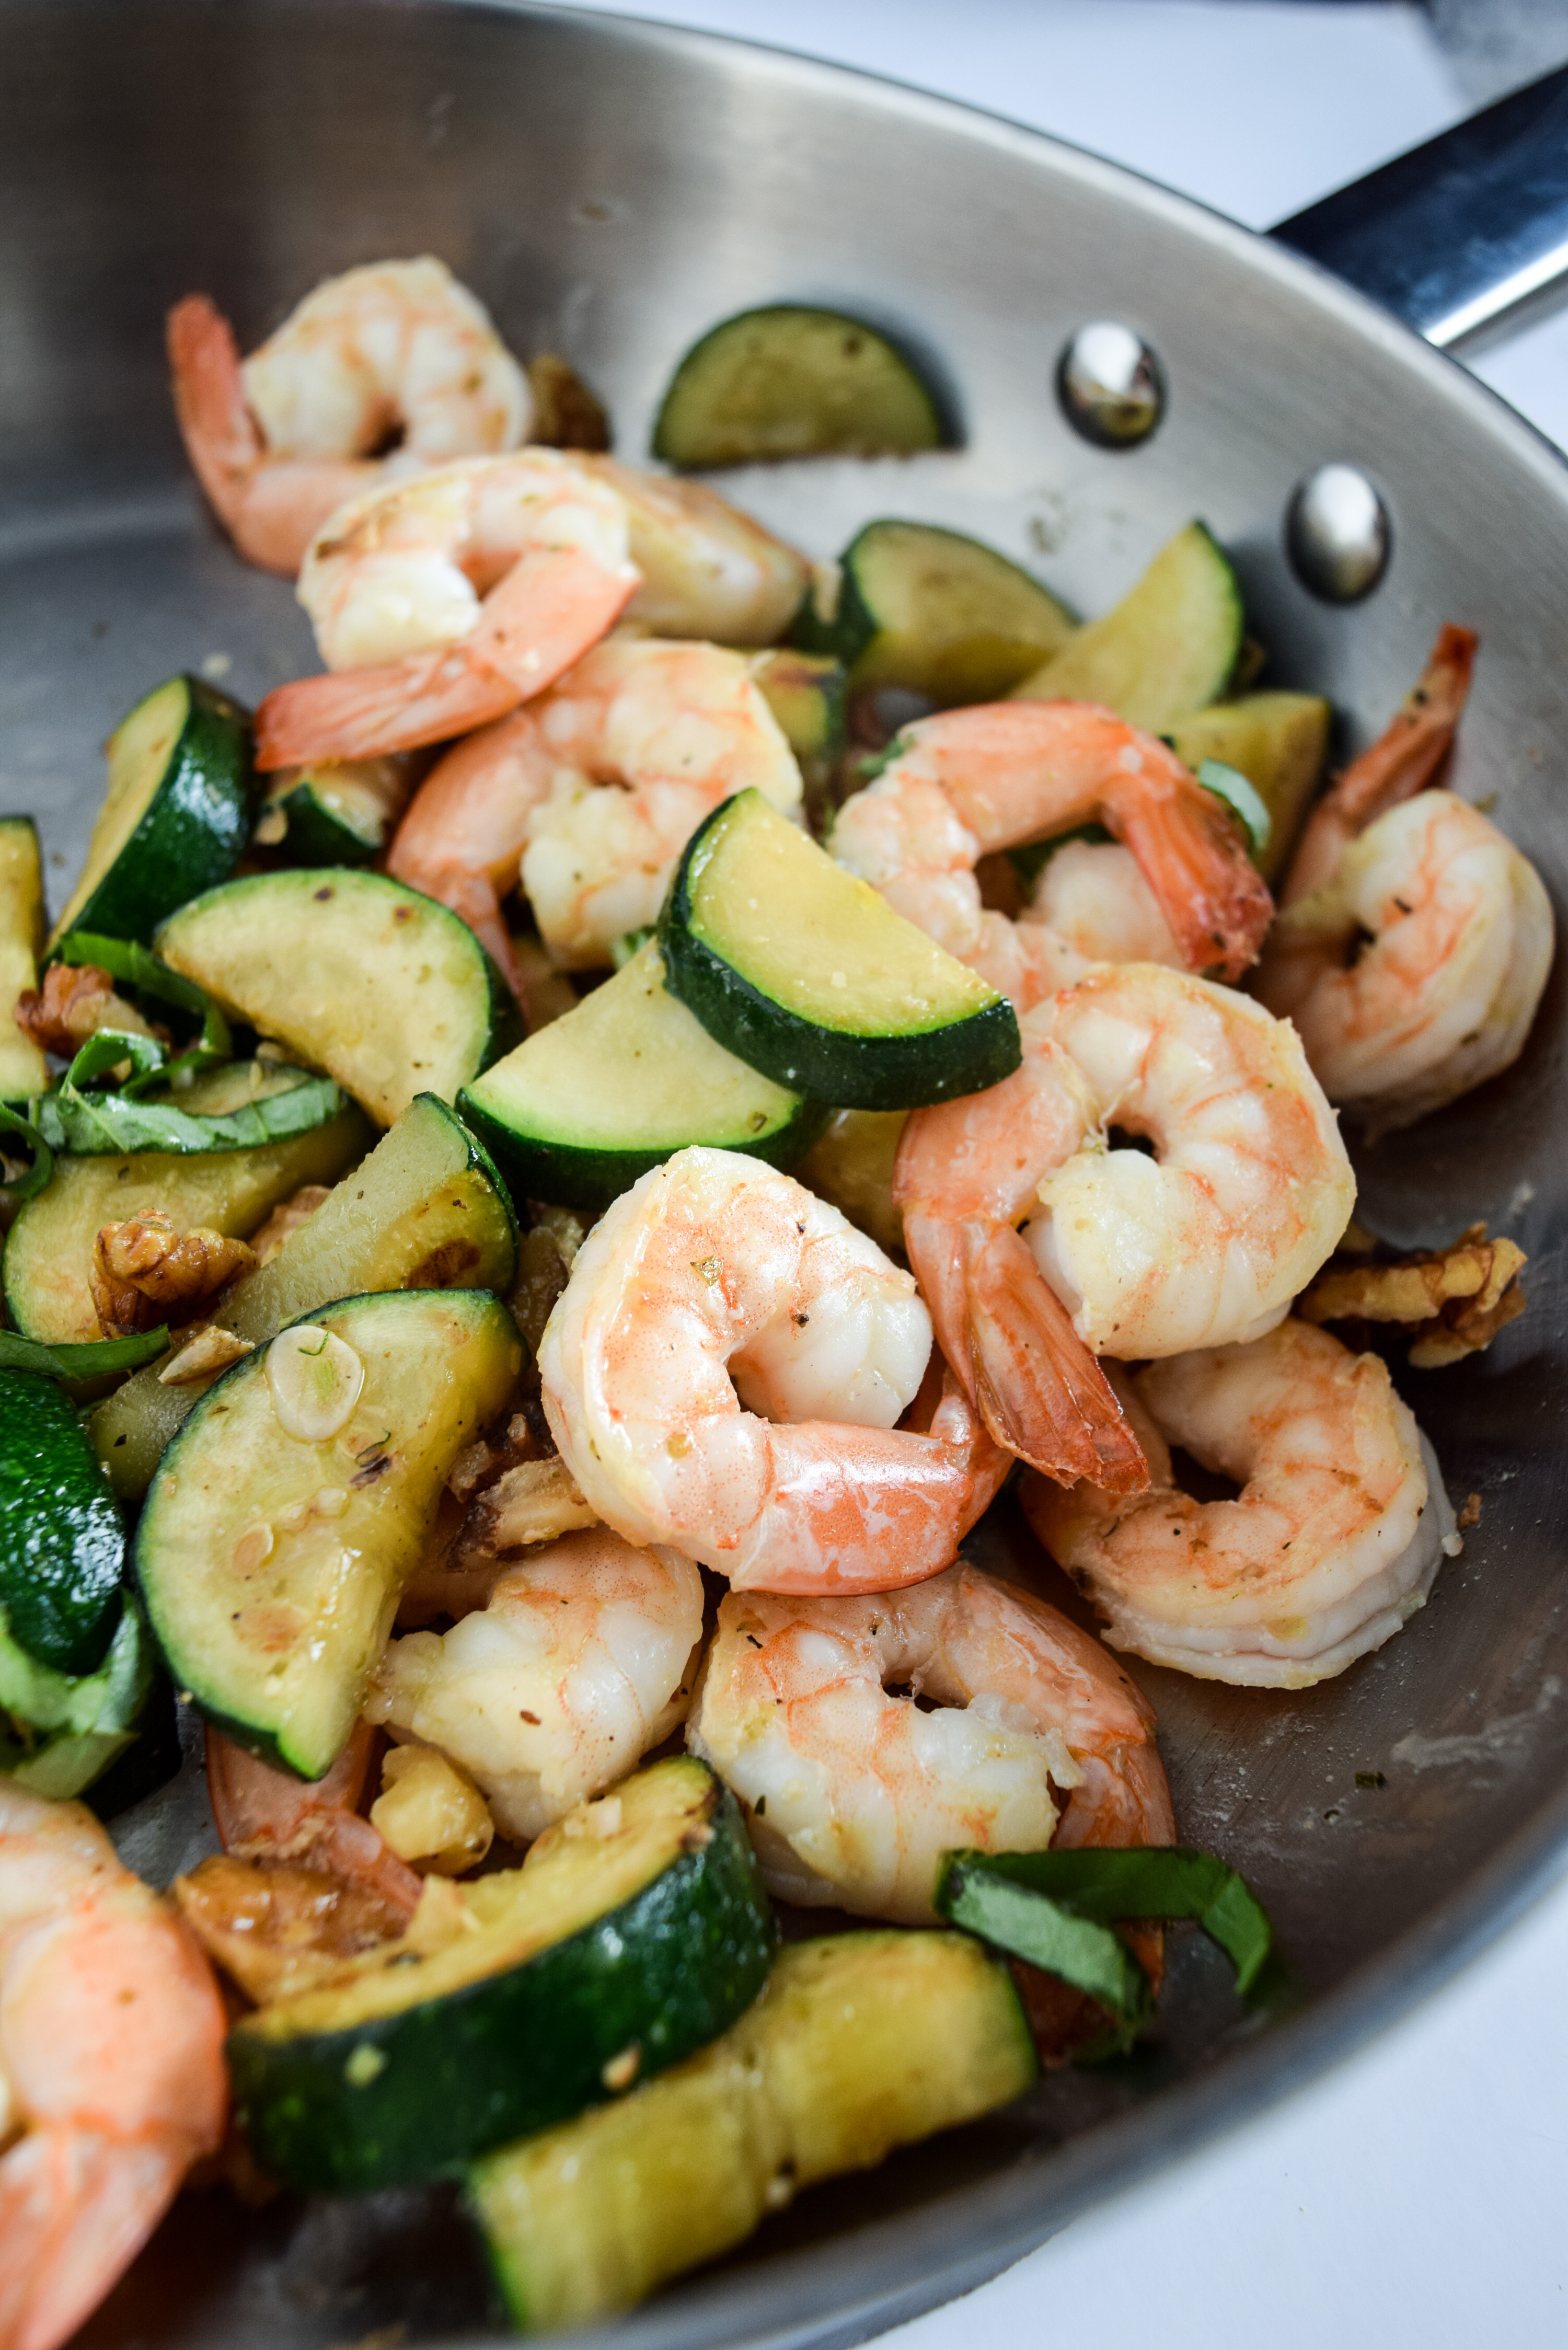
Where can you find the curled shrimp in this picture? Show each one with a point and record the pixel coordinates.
(1333, 1543)
(855, 1792)
(394, 587)
(716, 1273)
(1204, 1242)
(1406, 757)
(582, 1660)
(111, 2065)
(593, 790)
(1092, 901)
(1416, 971)
(443, 602)
(281, 440)
(969, 781)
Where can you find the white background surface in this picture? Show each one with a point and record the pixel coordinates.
(1418, 2195)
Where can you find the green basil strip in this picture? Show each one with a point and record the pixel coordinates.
(99, 1359)
(1229, 783)
(126, 959)
(107, 1049)
(93, 1124)
(1146, 1881)
(1047, 1933)
(25, 1187)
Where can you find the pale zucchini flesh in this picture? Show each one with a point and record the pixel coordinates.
(61, 1732)
(789, 381)
(635, 1930)
(353, 973)
(1168, 647)
(270, 1565)
(806, 694)
(805, 972)
(47, 1265)
(936, 612)
(586, 1105)
(859, 2044)
(1279, 741)
(176, 812)
(427, 1210)
(23, 1069)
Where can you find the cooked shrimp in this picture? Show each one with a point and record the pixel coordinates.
(270, 1817)
(853, 1793)
(715, 1269)
(583, 1660)
(280, 441)
(1092, 898)
(1455, 934)
(969, 781)
(1205, 1242)
(1341, 1524)
(602, 780)
(443, 602)
(111, 2065)
(1405, 758)
(543, 536)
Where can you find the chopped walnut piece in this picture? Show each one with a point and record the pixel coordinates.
(279, 1928)
(1470, 1515)
(566, 413)
(1450, 1301)
(544, 1259)
(73, 1003)
(144, 1272)
(534, 1502)
(286, 1221)
(205, 1353)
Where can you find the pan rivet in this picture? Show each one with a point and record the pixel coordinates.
(1110, 385)
(1337, 535)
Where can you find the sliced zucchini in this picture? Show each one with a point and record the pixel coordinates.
(337, 812)
(791, 381)
(635, 1931)
(860, 2042)
(23, 1069)
(805, 692)
(235, 1108)
(426, 1211)
(383, 988)
(176, 814)
(294, 1504)
(806, 973)
(591, 1103)
(1279, 741)
(60, 1732)
(48, 1259)
(933, 611)
(62, 1547)
(1168, 648)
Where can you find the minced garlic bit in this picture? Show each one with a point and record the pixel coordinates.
(206, 1351)
(314, 1379)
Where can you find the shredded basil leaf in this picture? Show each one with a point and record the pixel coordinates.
(97, 1359)
(1229, 783)
(1094, 1887)
(88, 1124)
(1048, 1934)
(126, 959)
(28, 1186)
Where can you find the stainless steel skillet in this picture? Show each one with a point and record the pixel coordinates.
(610, 190)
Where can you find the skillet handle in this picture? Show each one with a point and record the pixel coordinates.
(1466, 238)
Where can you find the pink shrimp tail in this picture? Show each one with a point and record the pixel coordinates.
(267, 1815)
(1406, 757)
(1189, 849)
(551, 609)
(76, 2206)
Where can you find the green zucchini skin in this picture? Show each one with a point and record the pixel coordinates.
(62, 1545)
(191, 831)
(854, 1071)
(667, 1970)
(588, 1180)
(792, 380)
